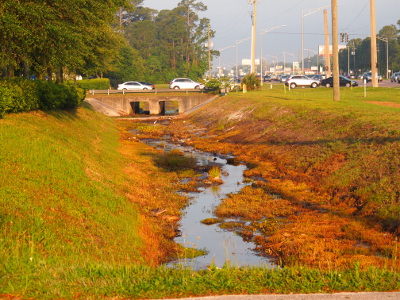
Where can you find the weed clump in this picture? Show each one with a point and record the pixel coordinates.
(175, 161)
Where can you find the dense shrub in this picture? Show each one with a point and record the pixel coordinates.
(53, 95)
(94, 84)
(23, 95)
(251, 82)
(18, 95)
(213, 85)
(5, 100)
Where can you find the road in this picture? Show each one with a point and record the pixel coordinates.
(385, 83)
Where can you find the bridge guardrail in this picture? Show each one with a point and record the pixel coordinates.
(155, 91)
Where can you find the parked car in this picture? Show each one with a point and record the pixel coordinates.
(267, 78)
(317, 77)
(352, 76)
(284, 77)
(185, 83)
(274, 77)
(135, 85)
(395, 77)
(147, 83)
(368, 76)
(301, 80)
(343, 81)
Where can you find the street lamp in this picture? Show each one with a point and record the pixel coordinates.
(237, 43)
(387, 54)
(275, 59)
(284, 60)
(306, 13)
(261, 56)
(219, 57)
(309, 57)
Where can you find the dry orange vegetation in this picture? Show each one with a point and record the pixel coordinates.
(313, 202)
(159, 205)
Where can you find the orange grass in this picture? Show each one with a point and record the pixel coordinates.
(253, 204)
(149, 190)
(306, 221)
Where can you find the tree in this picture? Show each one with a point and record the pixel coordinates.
(46, 36)
(171, 42)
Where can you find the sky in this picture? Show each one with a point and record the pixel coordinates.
(231, 20)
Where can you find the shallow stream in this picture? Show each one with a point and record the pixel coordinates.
(222, 246)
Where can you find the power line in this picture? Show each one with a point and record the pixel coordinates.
(362, 10)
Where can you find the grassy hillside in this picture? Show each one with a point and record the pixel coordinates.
(70, 189)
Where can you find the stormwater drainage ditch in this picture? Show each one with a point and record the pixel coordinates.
(223, 247)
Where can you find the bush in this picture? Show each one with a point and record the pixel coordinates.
(18, 95)
(23, 95)
(213, 85)
(6, 100)
(53, 95)
(94, 84)
(251, 82)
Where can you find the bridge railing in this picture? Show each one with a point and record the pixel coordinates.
(155, 91)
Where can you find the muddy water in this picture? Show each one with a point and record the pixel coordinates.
(222, 246)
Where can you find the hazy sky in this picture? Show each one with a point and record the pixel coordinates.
(231, 19)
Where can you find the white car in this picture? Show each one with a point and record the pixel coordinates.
(395, 77)
(368, 76)
(135, 85)
(301, 80)
(185, 83)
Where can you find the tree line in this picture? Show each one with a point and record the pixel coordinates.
(118, 39)
(123, 40)
(357, 56)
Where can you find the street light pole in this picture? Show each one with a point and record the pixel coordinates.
(236, 44)
(306, 13)
(313, 51)
(219, 57)
(261, 56)
(387, 54)
(291, 54)
(253, 38)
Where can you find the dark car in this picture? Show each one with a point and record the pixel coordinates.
(343, 81)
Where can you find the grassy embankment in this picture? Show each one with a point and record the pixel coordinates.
(76, 200)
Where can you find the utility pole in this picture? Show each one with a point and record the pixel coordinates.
(209, 53)
(335, 51)
(253, 37)
(326, 48)
(374, 56)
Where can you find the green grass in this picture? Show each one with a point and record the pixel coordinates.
(59, 199)
(140, 282)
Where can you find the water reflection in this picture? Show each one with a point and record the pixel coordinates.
(222, 246)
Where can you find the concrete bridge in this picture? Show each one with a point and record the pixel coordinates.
(129, 104)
